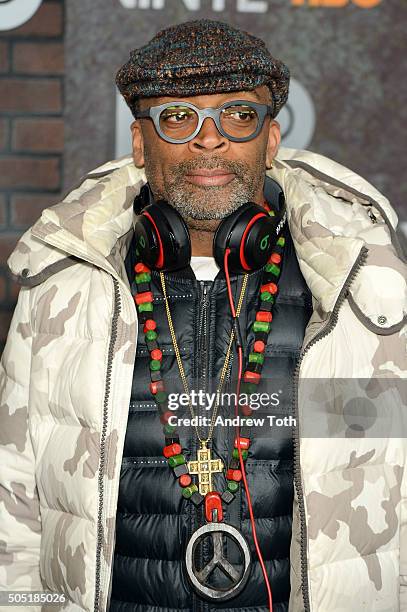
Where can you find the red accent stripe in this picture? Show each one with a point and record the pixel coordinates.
(243, 261)
(160, 261)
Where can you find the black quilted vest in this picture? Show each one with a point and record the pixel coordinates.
(154, 522)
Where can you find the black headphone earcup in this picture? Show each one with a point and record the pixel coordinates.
(162, 237)
(250, 233)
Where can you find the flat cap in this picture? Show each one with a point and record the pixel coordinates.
(201, 57)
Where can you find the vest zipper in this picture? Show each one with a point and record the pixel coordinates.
(201, 376)
(296, 438)
(203, 334)
(99, 531)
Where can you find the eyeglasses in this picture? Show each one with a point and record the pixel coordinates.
(179, 122)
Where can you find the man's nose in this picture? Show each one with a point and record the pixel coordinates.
(209, 137)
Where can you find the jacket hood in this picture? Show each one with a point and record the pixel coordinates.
(334, 215)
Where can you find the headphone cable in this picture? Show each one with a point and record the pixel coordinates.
(242, 467)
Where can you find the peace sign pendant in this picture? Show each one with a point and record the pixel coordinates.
(236, 575)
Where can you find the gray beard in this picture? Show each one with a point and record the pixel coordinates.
(210, 204)
(210, 201)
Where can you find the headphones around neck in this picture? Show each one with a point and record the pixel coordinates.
(250, 232)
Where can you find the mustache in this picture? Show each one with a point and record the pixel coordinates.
(180, 169)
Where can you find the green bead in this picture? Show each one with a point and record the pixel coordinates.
(176, 460)
(281, 241)
(143, 277)
(161, 397)
(272, 213)
(146, 307)
(273, 269)
(235, 454)
(233, 486)
(261, 326)
(155, 364)
(266, 296)
(256, 358)
(188, 491)
(151, 334)
(168, 429)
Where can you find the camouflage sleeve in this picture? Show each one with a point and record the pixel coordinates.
(20, 523)
(403, 545)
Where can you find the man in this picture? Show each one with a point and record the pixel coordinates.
(90, 508)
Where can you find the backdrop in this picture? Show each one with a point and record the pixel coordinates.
(347, 60)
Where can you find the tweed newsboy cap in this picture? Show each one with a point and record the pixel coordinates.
(201, 57)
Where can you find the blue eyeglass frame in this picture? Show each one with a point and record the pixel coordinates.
(214, 113)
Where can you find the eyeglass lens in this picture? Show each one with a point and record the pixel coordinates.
(238, 121)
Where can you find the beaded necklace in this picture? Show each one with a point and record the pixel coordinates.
(204, 466)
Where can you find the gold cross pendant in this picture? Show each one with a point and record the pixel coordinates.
(205, 467)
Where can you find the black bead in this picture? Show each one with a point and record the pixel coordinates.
(227, 496)
(155, 375)
(180, 470)
(244, 433)
(174, 439)
(162, 408)
(143, 316)
(234, 464)
(263, 336)
(196, 498)
(268, 277)
(152, 344)
(254, 367)
(266, 306)
(142, 287)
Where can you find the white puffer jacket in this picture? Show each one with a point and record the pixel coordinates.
(66, 376)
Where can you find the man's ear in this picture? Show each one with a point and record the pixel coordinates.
(274, 138)
(138, 143)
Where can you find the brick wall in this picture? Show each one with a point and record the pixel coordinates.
(31, 132)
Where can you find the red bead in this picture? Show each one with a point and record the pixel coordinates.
(184, 480)
(244, 443)
(172, 449)
(156, 386)
(235, 475)
(246, 410)
(165, 416)
(259, 346)
(140, 267)
(275, 258)
(149, 325)
(264, 316)
(270, 287)
(213, 502)
(142, 298)
(253, 377)
(156, 354)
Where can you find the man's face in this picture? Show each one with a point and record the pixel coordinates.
(210, 176)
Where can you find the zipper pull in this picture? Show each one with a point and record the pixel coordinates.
(204, 291)
(372, 215)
